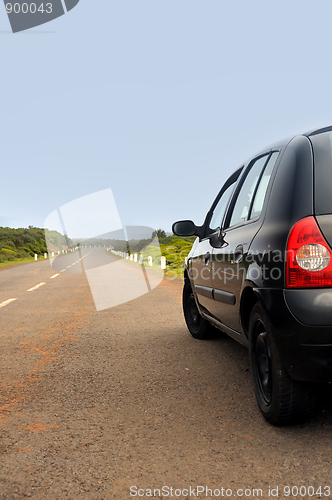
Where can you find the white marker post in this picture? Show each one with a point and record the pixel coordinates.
(150, 260)
(135, 257)
(131, 256)
(163, 262)
(45, 255)
(127, 256)
(141, 259)
(52, 254)
(36, 256)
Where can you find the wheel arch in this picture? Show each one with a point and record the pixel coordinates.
(249, 298)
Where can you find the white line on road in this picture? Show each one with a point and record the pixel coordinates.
(35, 287)
(85, 255)
(54, 276)
(64, 270)
(3, 304)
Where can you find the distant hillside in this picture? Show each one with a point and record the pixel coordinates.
(57, 241)
(22, 243)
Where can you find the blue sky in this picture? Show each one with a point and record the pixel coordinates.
(158, 100)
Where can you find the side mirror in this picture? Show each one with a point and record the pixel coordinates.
(186, 228)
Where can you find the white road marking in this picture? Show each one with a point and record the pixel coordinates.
(3, 304)
(85, 255)
(35, 287)
(54, 276)
(64, 270)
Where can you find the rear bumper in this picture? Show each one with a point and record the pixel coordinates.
(302, 329)
(318, 361)
(310, 307)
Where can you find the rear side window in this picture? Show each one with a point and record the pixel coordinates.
(322, 152)
(263, 185)
(247, 191)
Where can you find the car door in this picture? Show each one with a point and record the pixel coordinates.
(240, 226)
(201, 258)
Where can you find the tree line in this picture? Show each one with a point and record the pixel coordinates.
(22, 243)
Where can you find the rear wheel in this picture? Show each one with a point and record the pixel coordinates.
(198, 326)
(281, 399)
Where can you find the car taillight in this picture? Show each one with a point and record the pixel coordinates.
(309, 257)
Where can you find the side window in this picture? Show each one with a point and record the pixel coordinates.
(220, 209)
(262, 187)
(245, 196)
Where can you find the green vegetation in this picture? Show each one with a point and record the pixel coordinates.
(17, 244)
(175, 252)
(8, 263)
(20, 245)
(57, 241)
(174, 248)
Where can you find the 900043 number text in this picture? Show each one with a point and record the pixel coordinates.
(28, 7)
(303, 491)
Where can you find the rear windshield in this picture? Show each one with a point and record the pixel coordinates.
(322, 149)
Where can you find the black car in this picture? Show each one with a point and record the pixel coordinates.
(261, 271)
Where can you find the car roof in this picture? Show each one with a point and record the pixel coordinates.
(283, 142)
(319, 131)
(276, 145)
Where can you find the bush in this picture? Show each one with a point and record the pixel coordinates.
(22, 243)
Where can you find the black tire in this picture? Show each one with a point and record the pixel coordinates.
(282, 400)
(199, 327)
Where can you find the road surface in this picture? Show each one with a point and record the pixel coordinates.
(93, 403)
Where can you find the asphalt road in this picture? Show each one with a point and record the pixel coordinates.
(95, 402)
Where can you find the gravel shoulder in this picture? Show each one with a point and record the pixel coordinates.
(93, 403)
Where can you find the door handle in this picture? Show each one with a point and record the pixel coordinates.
(238, 254)
(207, 258)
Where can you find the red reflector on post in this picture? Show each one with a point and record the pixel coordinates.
(309, 257)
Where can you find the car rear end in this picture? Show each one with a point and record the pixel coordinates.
(305, 333)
